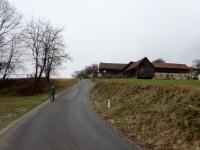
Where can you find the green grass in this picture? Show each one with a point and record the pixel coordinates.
(158, 82)
(14, 106)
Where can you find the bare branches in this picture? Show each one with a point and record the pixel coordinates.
(9, 20)
(46, 45)
(56, 51)
(43, 41)
(13, 58)
(33, 36)
(196, 63)
(159, 60)
(87, 72)
(9, 38)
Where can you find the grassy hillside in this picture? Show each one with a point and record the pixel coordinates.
(157, 113)
(16, 97)
(182, 83)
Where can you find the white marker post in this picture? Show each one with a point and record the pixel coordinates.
(109, 102)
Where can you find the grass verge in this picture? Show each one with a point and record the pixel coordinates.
(14, 106)
(157, 116)
(186, 83)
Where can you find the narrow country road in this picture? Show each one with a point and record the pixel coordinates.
(69, 123)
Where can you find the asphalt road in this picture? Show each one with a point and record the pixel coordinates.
(69, 123)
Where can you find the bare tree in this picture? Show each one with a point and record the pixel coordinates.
(33, 36)
(47, 47)
(87, 72)
(159, 60)
(91, 70)
(197, 63)
(9, 28)
(13, 58)
(79, 74)
(9, 20)
(54, 48)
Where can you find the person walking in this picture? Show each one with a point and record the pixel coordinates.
(52, 91)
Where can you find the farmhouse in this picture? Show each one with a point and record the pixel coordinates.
(173, 71)
(144, 69)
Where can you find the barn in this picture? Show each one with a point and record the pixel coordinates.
(144, 69)
(171, 71)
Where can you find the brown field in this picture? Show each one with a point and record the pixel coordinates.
(164, 116)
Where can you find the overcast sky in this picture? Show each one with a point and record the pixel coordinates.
(121, 30)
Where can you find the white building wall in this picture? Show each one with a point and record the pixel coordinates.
(177, 76)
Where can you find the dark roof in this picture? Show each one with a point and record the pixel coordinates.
(111, 66)
(128, 65)
(171, 66)
(135, 65)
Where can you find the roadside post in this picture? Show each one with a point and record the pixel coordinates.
(109, 102)
(108, 97)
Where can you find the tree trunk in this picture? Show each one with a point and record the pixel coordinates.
(35, 79)
(4, 77)
(48, 76)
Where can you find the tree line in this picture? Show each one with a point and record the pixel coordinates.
(37, 40)
(88, 72)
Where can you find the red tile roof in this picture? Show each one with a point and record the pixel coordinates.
(170, 66)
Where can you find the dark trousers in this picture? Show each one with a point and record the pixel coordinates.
(52, 97)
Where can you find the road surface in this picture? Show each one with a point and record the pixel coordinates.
(69, 123)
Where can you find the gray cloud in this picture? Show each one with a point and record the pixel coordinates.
(122, 30)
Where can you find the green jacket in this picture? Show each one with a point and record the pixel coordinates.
(52, 89)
